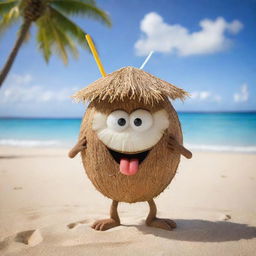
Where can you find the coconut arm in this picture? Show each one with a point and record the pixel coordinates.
(175, 146)
(80, 145)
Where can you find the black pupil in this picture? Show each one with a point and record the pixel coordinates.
(138, 122)
(121, 121)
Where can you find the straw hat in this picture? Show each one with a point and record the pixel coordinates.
(131, 83)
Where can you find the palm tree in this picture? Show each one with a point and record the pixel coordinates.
(56, 33)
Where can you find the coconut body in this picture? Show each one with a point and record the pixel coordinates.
(155, 172)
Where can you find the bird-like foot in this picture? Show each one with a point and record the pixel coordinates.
(105, 224)
(166, 224)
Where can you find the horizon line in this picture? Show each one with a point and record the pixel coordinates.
(179, 112)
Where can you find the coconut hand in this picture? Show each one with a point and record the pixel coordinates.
(81, 144)
(174, 146)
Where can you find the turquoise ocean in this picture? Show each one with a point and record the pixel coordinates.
(229, 132)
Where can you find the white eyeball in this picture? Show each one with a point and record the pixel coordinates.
(141, 120)
(118, 120)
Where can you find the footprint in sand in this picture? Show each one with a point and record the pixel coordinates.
(74, 224)
(29, 237)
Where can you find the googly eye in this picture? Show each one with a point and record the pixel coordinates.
(118, 120)
(141, 120)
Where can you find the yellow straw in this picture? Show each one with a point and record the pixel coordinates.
(95, 54)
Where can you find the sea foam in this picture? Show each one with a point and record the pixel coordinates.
(221, 148)
(195, 147)
(30, 143)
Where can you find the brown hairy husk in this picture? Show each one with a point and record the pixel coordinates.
(155, 172)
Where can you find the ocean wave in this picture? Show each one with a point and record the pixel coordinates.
(222, 148)
(29, 143)
(195, 147)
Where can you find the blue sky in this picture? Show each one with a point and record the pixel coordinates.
(204, 47)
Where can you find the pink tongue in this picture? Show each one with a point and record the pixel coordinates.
(129, 167)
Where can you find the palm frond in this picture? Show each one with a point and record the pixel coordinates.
(76, 7)
(87, 1)
(64, 44)
(7, 5)
(52, 37)
(44, 38)
(68, 26)
(9, 18)
(59, 43)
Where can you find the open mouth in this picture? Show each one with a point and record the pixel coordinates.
(128, 163)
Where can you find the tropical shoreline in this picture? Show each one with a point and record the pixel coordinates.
(227, 132)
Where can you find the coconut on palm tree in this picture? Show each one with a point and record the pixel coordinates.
(56, 32)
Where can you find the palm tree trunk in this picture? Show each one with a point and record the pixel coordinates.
(4, 72)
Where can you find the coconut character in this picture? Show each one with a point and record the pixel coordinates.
(130, 140)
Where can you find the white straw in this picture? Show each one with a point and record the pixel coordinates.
(146, 60)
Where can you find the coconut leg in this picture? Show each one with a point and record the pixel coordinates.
(113, 221)
(153, 221)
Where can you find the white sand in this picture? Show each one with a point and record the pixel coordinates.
(212, 199)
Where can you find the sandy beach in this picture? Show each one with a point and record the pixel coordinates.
(47, 205)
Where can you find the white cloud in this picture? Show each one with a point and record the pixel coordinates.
(243, 95)
(205, 95)
(217, 98)
(168, 38)
(19, 88)
(21, 79)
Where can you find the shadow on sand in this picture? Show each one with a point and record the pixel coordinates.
(203, 231)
